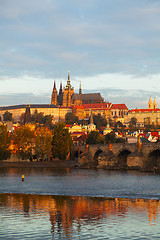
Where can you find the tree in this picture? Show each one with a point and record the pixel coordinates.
(111, 122)
(62, 142)
(47, 121)
(119, 125)
(7, 116)
(133, 121)
(94, 138)
(111, 138)
(43, 142)
(5, 142)
(71, 118)
(37, 117)
(27, 115)
(99, 121)
(23, 140)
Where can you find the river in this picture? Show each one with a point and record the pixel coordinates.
(78, 204)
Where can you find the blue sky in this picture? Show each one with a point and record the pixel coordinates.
(111, 46)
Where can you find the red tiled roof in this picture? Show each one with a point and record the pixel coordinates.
(154, 134)
(119, 106)
(145, 110)
(78, 107)
(97, 105)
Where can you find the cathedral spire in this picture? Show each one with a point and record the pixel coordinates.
(60, 90)
(68, 81)
(80, 89)
(54, 95)
(54, 85)
(68, 86)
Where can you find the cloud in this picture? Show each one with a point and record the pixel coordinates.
(18, 8)
(106, 45)
(23, 98)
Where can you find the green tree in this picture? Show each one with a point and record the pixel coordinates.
(111, 138)
(27, 115)
(71, 118)
(62, 142)
(23, 140)
(99, 121)
(43, 142)
(47, 121)
(94, 138)
(133, 121)
(119, 126)
(7, 116)
(37, 117)
(5, 142)
(132, 124)
(111, 122)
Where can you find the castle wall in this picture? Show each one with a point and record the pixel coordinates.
(17, 112)
(144, 116)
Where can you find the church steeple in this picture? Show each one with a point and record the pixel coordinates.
(155, 104)
(54, 95)
(150, 104)
(60, 90)
(54, 85)
(80, 89)
(91, 117)
(68, 92)
(68, 86)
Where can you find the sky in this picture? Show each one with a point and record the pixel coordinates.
(110, 46)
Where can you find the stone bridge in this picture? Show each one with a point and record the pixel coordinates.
(144, 156)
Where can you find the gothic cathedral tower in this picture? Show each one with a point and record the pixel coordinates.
(67, 93)
(54, 95)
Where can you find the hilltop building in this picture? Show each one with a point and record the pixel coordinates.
(150, 115)
(65, 101)
(68, 98)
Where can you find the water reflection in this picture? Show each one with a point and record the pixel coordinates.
(69, 217)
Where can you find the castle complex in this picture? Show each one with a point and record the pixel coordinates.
(68, 98)
(66, 101)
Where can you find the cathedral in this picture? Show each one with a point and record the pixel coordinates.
(67, 98)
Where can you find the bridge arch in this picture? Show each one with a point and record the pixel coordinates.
(96, 155)
(76, 153)
(122, 158)
(153, 161)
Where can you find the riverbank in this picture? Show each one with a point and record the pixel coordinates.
(51, 164)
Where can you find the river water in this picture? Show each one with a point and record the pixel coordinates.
(78, 204)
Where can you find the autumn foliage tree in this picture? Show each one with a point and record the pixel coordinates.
(23, 140)
(43, 142)
(5, 141)
(62, 142)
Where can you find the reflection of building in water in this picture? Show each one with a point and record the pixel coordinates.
(152, 211)
(64, 211)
